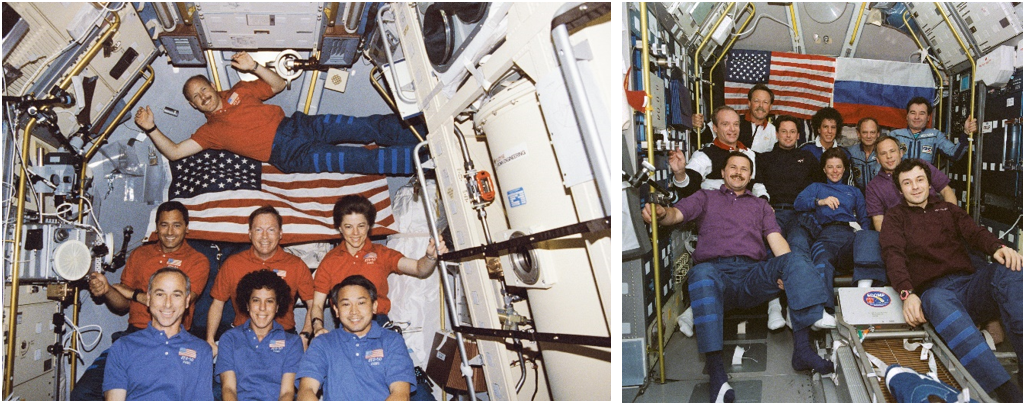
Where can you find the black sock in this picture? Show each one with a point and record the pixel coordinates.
(804, 357)
(1008, 392)
(717, 376)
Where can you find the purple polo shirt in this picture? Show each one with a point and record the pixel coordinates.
(881, 194)
(728, 224)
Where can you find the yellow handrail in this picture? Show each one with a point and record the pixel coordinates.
(751, 7)
(940, 79)
(862, 9)
(972, 106)
(215, 75)
(794, 20)
(313, 85)
(698, 53)
(112, 27)
(651, 158)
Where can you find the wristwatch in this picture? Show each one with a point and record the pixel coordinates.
(905, 293)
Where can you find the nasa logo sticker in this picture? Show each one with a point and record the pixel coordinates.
(876, 298)
(370, 258)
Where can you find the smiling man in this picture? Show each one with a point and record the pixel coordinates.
(163, 361)
(924, 244)
(170, 250)
(864, 165)
(732, 269)
(755, 129)
(239, 121)
(704, 169)
(259, 359)
(924, 143)
(361, 361)
(827, 123)
(264, 233)
(882, 194)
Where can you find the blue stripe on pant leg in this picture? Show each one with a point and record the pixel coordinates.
(960, 335)
(703, 301)
(395, 159)
(327, 160)
(948, 320)
(975, 352)
(338, 118)
(341, 161)
(317, 163)
(708, 311)
(381, 160)
(327, 118)
(954, 342)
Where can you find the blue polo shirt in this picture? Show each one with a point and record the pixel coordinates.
(258, 365)
(852, 205)
(354, 368)
(152, 366)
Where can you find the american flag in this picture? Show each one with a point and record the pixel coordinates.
(186, 352)
(177, 263)
(801, 84)
(277, 344)
(221, 189)
(378, 353)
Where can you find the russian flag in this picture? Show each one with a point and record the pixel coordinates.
(880, 89)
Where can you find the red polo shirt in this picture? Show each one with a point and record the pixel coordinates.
(289, 267)
(146, 260)
(244, 124)
(373, 261)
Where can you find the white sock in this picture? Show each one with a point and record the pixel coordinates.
(865, 283)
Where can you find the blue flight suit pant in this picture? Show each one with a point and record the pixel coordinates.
(956, 303)
(722, 284)
(306, 144)
(835, 247)
(868, 261)
(797, 237)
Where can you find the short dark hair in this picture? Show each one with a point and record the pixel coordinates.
(354, 204)
(357, 280)
(835, 152)
(751, 164)
(907, 165)
(168, 269)
(919, 100)
(786, 118)
(858, 127)
(185, 87)
(716, 112)
(883, 138)
(267, 209)
(263, 279)
(172, 205)
(826, 113)
(760, 86)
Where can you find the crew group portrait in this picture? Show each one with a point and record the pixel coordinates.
(776, 220)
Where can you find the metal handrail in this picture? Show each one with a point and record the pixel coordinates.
(79, 66)
(972, 106)
(940, 79)
(855, 33)
(388, 53)
(651, 158)
(730, 44)
(450, 299)
(698, 53)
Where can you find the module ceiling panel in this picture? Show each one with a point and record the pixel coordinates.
(259, 25)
